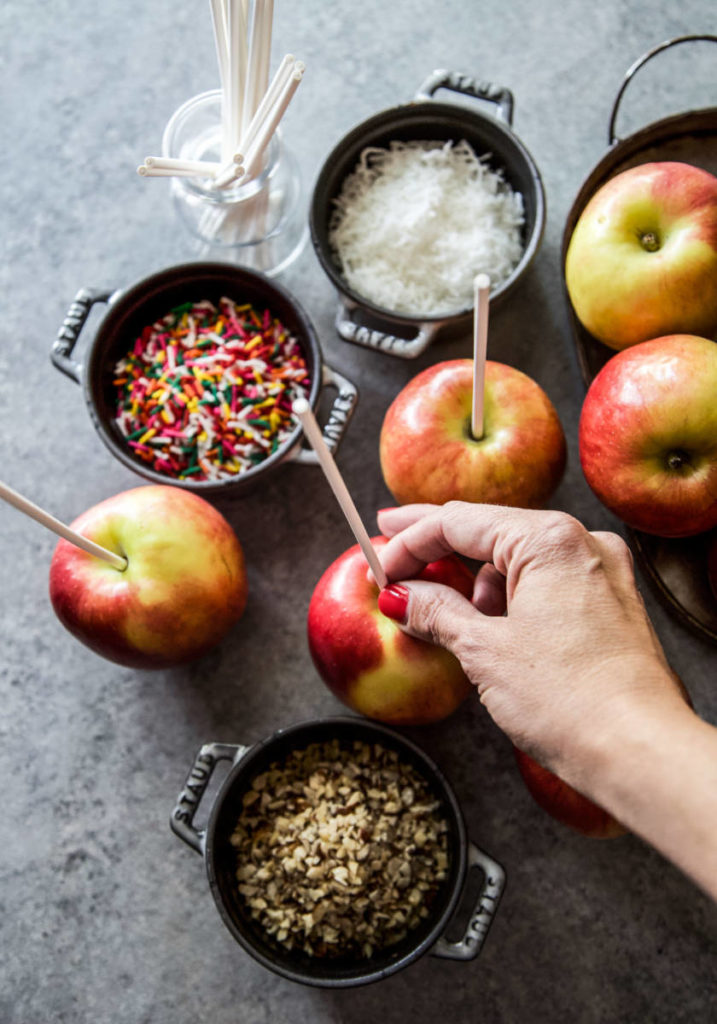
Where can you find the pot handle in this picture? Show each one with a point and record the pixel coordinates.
(339, 418)
(69, 333)
(182, 817)
(611, 136)
(404, 348)
(469, 86)
(469, 946)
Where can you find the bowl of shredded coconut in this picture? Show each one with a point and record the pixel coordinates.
(416, 201)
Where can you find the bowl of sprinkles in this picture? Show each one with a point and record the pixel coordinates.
(191, 376)
(337, 854)
(416, 201)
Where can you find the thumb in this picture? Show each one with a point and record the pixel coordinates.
(433, 612)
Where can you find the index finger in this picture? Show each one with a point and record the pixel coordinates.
(420, 534)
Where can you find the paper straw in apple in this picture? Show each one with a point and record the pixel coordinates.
(39, 515)
(302, 410)
(481, 287)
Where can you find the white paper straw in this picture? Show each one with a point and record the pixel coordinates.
(203, 168)
(263, 75)
(259, 56)
(165, 172)
(229, 173)
(263, 137)
(39, 515)
(255, 27)
(271, 95)
(236, 28)
(221, 43)
(302, 410)
(481, 295)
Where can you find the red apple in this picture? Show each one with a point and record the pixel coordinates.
(184, 586)
(642, 260)
(368, 661)
(428, 453)
(563, 802)
(648, 435)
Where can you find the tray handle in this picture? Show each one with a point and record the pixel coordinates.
(612, 137)
(469, 86)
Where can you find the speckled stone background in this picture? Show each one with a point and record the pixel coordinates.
(105, 915)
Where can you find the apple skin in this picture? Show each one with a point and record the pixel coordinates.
(564, 803)
(648, 435)
(624, 293)
(428, 454)
(184, 586)
(367, 661)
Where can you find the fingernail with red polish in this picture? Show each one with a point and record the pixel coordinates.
(393, 602)
(390, 508)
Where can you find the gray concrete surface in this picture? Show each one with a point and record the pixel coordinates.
(106, 917)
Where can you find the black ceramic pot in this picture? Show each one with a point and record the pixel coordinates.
(131, 309)
(220, 857)
(426, 119)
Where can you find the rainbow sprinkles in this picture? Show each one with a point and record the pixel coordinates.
(205, 393)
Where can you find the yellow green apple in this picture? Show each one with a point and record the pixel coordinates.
(642, 260)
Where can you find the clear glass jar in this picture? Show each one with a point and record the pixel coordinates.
(260, 224)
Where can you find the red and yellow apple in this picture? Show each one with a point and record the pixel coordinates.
(184, 585)
(428, 453)
(563, 802)
(367, 661)
(648, 435)
(642, 259)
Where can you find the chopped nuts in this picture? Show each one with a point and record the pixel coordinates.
(341, 849)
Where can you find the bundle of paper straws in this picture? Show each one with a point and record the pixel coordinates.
(252, 107)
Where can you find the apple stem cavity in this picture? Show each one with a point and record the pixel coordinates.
(34, 511)
(481, 298)
(649, 241)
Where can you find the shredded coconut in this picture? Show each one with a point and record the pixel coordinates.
(416, 222)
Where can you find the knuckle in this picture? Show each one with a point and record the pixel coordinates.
(453, 514)
(562, 534)
(615, 546)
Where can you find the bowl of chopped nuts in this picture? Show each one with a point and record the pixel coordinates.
(192, 372)
(336, 852)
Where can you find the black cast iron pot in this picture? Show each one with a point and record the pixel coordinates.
(358, 319)
(220, 857)
(131, 309)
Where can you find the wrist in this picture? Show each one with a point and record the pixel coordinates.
(625, 734)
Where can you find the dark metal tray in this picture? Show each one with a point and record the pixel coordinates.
(676, 568)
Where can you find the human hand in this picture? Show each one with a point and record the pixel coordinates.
(556, 638)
